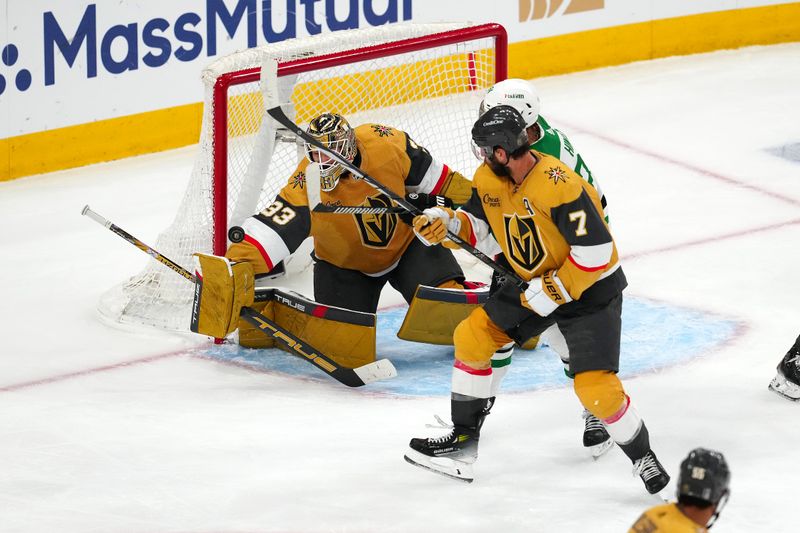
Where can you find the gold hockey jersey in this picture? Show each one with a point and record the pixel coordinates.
(370, 243)
(552, 221)
(666, 518)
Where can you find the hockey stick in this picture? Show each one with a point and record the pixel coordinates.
(277, 113)
(352, 377)
(358, 209)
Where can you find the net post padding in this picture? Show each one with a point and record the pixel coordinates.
(426, 79)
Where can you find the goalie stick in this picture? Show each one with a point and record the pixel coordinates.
(277, 113)
(352, 377)
(358, 209)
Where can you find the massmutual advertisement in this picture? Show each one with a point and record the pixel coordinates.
(75, 62)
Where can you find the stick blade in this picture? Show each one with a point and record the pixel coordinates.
(375, 371)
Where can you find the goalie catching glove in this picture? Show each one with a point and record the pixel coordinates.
(222, 289)
(432, 225)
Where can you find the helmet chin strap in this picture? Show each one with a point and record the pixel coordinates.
(720, 505)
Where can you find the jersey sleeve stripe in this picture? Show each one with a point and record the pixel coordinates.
(266, 240)
(431, 181)
(264, 254)
(585, 268)
(591, 258)
(440, 182)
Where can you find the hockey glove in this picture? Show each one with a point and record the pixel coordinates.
(223, 288)
(544, 294)
(423, 201)
(432, 225)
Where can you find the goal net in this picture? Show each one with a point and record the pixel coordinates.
(426, 79)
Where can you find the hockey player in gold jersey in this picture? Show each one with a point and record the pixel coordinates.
(548, 223)
(355, 255)
(702, 493)
(542, 137)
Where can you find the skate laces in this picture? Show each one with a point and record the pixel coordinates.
(592, 422)
(440, 424)
(647, 467)
(441, 440)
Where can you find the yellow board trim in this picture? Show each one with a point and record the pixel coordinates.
(105, 140)
(654, 39)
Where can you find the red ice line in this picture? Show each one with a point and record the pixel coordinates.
(703, 172)
(88, 371)
(697, 170)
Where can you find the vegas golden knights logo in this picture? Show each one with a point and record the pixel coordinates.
(524, 245)
(377, 229)
(539, 9)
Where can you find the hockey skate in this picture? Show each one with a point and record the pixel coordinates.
(595, 436)
(450, 455)
(787, 381)
(653, 475)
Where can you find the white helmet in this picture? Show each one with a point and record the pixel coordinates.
(519, 94)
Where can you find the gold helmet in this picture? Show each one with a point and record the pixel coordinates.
(335, 133)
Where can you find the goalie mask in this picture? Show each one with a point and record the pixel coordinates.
(335, 133)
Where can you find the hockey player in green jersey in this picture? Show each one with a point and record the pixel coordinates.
(522, 96)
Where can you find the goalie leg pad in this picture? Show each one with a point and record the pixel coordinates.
(435, 312)
(347, 337)
(251, 336)
(223, 288)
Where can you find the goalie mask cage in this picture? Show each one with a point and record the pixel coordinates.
(426, 79)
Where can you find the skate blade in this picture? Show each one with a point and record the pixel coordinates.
(598, 450)
(442, 466)
(665, 494)
(782, 389)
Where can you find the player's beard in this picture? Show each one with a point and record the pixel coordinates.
(497, 168)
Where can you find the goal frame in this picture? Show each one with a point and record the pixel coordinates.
(225, 81)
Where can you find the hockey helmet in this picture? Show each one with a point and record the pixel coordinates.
(519, 94)
(501, 126)
(704, 476)
(335, 133)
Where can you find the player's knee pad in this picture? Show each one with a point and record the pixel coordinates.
(601, 392)
(477, 338)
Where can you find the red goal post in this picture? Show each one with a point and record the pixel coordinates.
(426, 79)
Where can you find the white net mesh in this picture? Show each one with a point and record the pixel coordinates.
(432, 93)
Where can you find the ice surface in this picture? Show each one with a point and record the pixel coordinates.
(109, 429)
